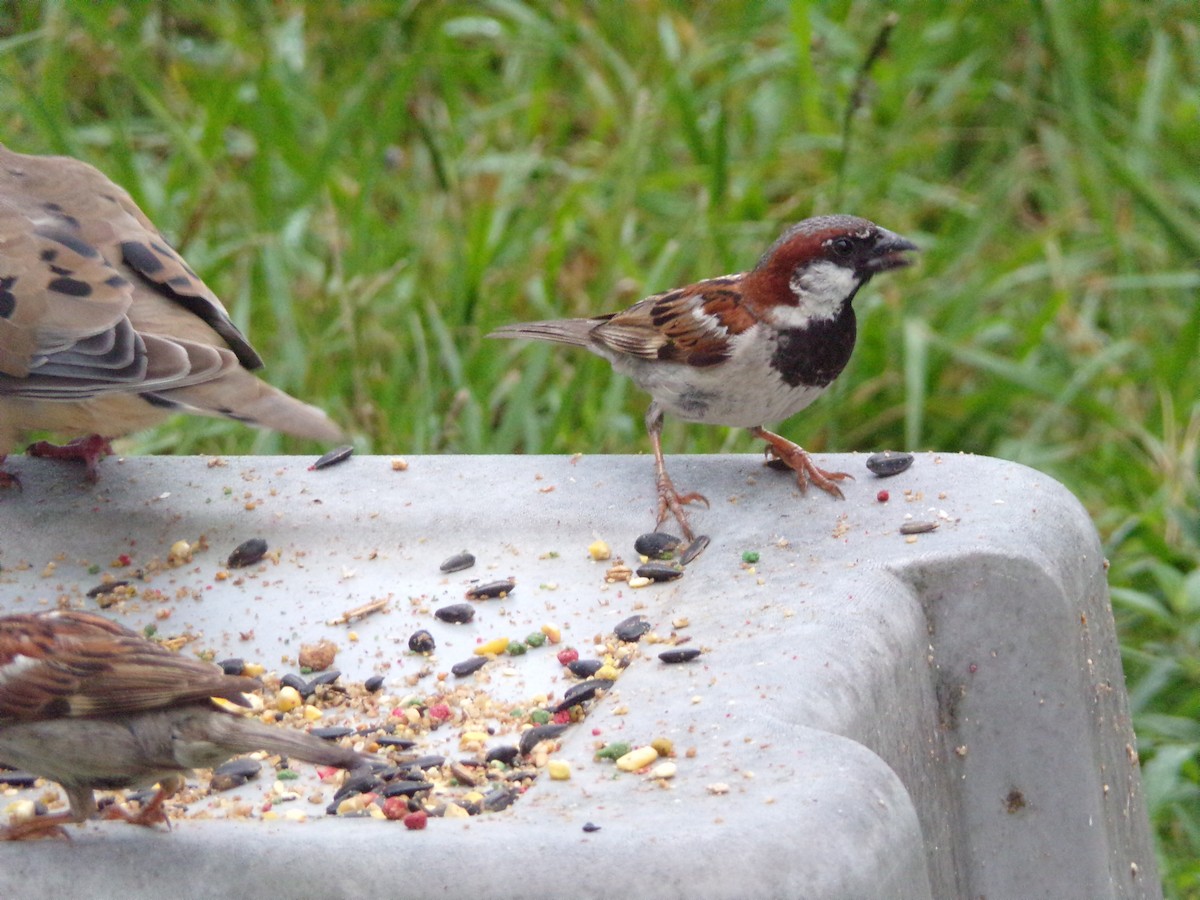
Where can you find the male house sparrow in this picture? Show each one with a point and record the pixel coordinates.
(743, 349)
(93, 705)
(104, 329)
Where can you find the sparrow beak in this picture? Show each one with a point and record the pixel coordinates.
(888, 253)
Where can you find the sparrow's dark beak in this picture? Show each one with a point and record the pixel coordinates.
(888, 253)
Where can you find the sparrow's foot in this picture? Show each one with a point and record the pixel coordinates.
(151, 813)
(671, 502)
(88, 450)
(797, 459)
(48, 826)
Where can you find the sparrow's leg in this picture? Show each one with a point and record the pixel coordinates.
(88, 450)
(8, 479)
(669, 499)
(151, 813)
(801, 463)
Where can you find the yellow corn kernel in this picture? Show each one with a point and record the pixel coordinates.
(494, 647)
(637, 758)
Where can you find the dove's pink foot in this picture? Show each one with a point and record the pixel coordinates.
(88, 450)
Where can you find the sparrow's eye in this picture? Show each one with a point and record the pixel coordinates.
(843, 246)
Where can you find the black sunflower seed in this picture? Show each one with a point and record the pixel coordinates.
(500, 798)
(235, 773)
(679, 654)
(888, 463)
(694, 549)
(247, 553)
(372, 684)
(468, 666)
(332, 458)
(632, 629)
(292, 680)
(404, 788)
(584, 668)
(456, 613)
(457, 563)
(431, 761)
(331, 732)
(537, 734)
(391, 740)
(583, 692)
(329, 676)
(492, 590)
(357, 783)
(659, 571)
(505, 753)
(657, 545)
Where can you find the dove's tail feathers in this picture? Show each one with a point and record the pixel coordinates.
(241, 396)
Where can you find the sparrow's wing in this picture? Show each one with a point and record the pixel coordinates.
(93, 301)
(69, 664)
(690, 325)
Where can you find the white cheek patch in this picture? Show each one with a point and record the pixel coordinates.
(821, 289)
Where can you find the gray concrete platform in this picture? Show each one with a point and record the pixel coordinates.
(874, 714)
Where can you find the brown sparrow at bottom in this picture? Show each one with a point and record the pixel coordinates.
(744, 349)
(95, 706)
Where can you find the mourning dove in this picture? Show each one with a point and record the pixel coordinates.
(104, 329)
(92, 705)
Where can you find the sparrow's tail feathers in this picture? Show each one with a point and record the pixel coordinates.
(576, 332)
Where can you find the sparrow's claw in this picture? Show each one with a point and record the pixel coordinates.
(798, 460)
(88, 450)
(48, 826)
(148, 816)
(7, 479)
(670, 501)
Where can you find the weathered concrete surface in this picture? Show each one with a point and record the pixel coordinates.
(942, 715)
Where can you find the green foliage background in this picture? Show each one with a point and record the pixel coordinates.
(371, 186)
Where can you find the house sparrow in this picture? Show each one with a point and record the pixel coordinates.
(743, 349)
(104, 329)
(92, 705)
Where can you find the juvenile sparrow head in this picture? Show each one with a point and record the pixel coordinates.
(92, 705)
(104, 329)
(746, 349)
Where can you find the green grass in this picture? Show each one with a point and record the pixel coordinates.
(372, 186)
